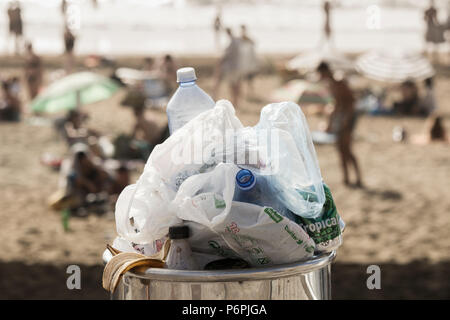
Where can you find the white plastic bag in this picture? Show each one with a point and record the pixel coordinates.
(141, 209)
(259, 235)
(279, 146)
(195, 147)
(142, 214)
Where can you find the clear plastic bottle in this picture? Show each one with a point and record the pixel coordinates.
(246, 188)
(253, 188)
(188, 101)
(180, 254)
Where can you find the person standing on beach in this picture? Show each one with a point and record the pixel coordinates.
(228, 68)
(217, 26)
(249, 60)
(327, 32)
(168, 72)
(434, 34)
(63, 7)
(15, 24)
(342, 121)
(33, 71)
(69, 44)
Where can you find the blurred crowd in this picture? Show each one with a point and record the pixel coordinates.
(97, 167)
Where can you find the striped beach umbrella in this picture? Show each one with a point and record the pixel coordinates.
(394, 66)
(309, 61)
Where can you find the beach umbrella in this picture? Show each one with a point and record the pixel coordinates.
(394, 66)
(73, 90)
(309, 61)
(303, 92)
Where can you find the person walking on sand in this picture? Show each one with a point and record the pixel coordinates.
(15, 25)
(342, 120)
(33, 71)
(228, 68)
(434, 34)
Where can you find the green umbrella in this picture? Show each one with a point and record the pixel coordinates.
(74, 90)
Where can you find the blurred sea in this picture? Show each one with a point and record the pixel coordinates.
(121, 27)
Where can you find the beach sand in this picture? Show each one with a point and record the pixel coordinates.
(400, 221)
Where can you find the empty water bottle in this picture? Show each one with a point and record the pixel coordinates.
(188, 101)
(254, 188)
(246, 188)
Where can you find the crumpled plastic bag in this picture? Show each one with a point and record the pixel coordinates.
(259, 235)
(142, 214)
(297, 180)
(279, 146)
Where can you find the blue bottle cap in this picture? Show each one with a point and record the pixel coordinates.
(245, 179)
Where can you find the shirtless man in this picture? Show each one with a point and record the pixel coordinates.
(33, 72)
(342, 120)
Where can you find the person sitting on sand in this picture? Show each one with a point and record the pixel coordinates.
(434, 132)
(10, 106)
(119, 182)
(33, 72)
(85, 178)
(74, 130)
(410, 102)
(342, 120)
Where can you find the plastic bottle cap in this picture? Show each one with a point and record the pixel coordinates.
(186, 75)
(245, 179)
(179, 232)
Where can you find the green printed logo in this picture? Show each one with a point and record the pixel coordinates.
(219, 203)
(275, 216)
(326, 227)
(292, 234)
(310, 249)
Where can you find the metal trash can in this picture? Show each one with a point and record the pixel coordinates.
(308, 280)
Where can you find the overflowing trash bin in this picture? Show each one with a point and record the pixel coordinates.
(223, 211)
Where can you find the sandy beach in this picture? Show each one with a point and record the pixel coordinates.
(400, 221)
